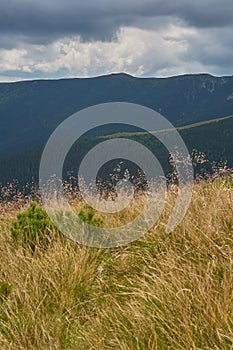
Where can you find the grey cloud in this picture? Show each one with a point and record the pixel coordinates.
(43, 21)
(212, 47)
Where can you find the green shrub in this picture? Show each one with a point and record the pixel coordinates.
(33, 227)
(87, 214)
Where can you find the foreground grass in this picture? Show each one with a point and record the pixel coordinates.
(166, 291)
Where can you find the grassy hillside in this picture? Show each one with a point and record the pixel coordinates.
(165, 291)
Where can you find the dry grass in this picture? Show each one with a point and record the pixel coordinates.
(162, 292)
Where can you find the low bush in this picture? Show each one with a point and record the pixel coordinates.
(33, 227)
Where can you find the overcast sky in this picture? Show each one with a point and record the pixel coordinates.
(84, 38)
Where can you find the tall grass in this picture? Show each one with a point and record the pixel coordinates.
(165, 291)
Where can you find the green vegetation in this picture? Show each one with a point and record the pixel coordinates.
(88, 215)
(33, 227)
(164, 291)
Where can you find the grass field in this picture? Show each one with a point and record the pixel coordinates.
(164, 291)
(180, 128)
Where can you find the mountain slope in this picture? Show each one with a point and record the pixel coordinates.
(30, 111)
(214, 138)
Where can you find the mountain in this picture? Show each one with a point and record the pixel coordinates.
(31, 110)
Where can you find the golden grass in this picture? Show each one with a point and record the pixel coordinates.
(165, 291)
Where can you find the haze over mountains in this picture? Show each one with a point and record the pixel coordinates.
(30, 111)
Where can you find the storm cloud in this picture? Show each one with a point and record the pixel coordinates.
(83, 38)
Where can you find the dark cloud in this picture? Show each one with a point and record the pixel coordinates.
(180, 36)
(208, 13)
(44, 21)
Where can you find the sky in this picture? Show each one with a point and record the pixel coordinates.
(51, 39)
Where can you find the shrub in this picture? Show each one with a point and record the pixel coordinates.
(88, 215)
(33, 227)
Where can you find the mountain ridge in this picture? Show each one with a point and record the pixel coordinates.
(31, 110)
(118, 74)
